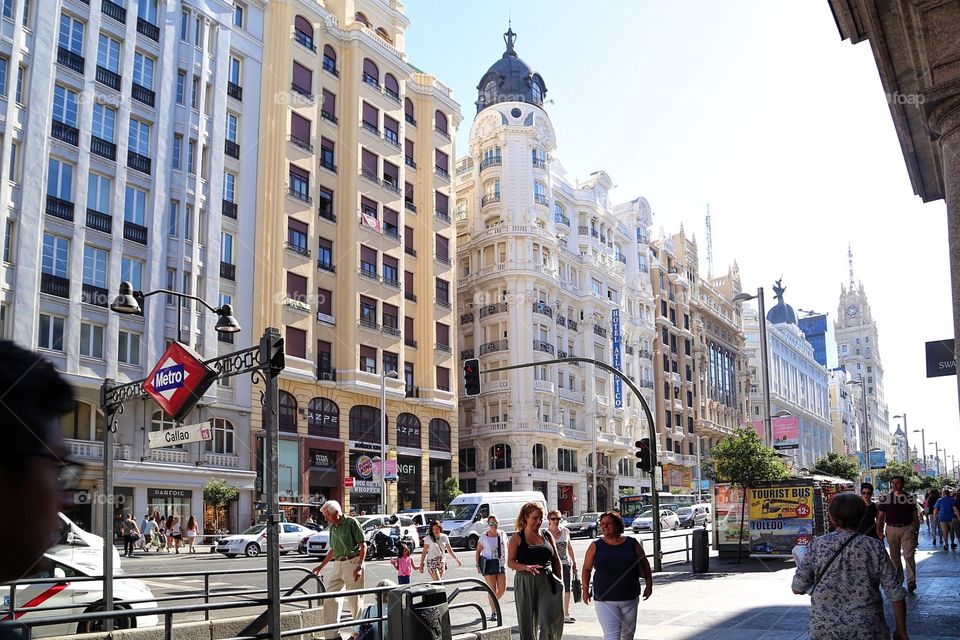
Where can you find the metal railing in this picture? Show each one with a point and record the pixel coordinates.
(687, 536)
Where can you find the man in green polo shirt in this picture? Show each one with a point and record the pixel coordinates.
(347, 553)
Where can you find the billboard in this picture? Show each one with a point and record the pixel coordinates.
(781, 517)
(878, 459)
(727, 501)
(786, 432)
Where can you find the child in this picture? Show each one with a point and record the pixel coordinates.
(403, 564)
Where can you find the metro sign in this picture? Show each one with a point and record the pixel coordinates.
(179, 380)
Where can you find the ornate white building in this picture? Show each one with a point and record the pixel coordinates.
(543, 264)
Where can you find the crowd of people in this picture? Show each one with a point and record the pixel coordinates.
(157, 532)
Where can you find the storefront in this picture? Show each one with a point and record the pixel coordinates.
(565, 498)
(365, 493)
(409, 483)
(170, 502)
(324, 473)
(440, 470)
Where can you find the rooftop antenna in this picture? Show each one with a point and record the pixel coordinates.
(709, 245)
(850, 262)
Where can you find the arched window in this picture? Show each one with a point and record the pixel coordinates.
(288, 413)
(539, 456)
(391, 87)
(359, 17)
(439, 435)
(371, 74)
(489, 92)
(223, 436)
(303, 32)
(161, 420)
(408, 430)
(500, 457)
(537, 92)
(365, 424)
(323, 418)
(383, 34)
(440, 122)
(330, 60)
(408, 113)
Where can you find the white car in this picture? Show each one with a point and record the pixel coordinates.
(644, 522)
(319, 542)
(84, 596)
(253, 541)
(76, 546)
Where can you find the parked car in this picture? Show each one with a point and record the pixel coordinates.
(422, 521)
(78, 597)
(253, 541)
(76, 546)
(690, 517)
(644, 522)
(587, 524)
(319, 542)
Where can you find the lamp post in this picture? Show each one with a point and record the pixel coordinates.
(865, 442)
(906, 438)
(128, 302)
(383, 434)
(936, 455)
(764, 361)
(593, 488)
(923, 442)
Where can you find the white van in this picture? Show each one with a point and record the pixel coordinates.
(76, 546)
(466, 516)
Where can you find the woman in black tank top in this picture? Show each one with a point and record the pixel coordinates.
(537, 585)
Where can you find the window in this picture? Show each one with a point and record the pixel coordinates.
(368, 261)
(439, 435)
(238, 15)
(181, 86)
(391, 361)
(162, 421)
(177, 151)
(327, 154)
(365, 423)
(300, 129)
(143, 66)
(195, 93)
(71, 34)
(8, 244)
(297, 233)
(56, 253)
(302, 81)
(134, 205)
(567, 460)
(173, 218)
(223, 437)
(296, 287)
(19, 92)
(500, 457)
(95, 266)
(91, 340)
(440, 122)
(443, 292)
(330, 59)
(368, 311)
(226, 247)
(371, 74)
(64, 105)
(408, 430)
(128, 348)
(104, 121)
(368, 359)
(287, 416)
(60, 180)
(323, 418)
(188, 222)
(197, 31)
(131, 271)
(468, 460)
(295, 343)
(108, 53)
(139, 139)
(443, 378)
(234, 71)
(191, 157)
(232, 127)
(147, 10)
(539, 456)
(303, 32)
(300, 183)
(185, 25)
(51, 333)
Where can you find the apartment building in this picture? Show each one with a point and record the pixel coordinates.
(129, 151)
(354, 255)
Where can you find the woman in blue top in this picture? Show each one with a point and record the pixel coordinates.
(620, 564)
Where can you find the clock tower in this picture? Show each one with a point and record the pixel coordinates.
(858, 352)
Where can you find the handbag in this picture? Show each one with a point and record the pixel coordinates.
(577, 587)
(483, 565)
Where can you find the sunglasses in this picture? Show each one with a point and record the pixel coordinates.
(557, 519)
(866, 493)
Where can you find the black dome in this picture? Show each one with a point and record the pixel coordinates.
(781, 313)
(510, 79)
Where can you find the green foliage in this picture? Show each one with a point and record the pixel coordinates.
(894, 468)
(742, 459)
(448, 491)
(218, 493)
(839, 465)
(937, 482)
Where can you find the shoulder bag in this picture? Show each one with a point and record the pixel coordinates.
(816, 578)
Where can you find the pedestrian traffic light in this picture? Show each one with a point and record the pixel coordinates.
(643, 453)
(471, 377)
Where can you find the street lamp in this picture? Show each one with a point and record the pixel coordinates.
(936, 455)
(906, 438)
(127, 302)
(923, 441)
(764, 361)
(383, 434)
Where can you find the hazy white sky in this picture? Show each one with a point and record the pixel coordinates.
(757, 108)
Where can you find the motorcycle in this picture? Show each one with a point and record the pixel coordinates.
(384, 545)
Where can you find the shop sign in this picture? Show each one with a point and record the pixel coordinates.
(364, 466)
(615, 337)
(169, 493)
(407, 469)
(365, 486)
(941, 358)
(323, 458)
(348, 482)
(366, 446)
(181, 435)
(179, 380)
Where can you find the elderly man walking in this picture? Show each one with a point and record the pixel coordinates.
(898, 511)
(347, 552)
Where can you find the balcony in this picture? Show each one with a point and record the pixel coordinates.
(228, 271)
(327, 163)
(134, 232)
(391, 330)
(410, 295)
(299, 194)
(371, 128)
(572, 396)
(372, 81)
(97, 296)
(65, 132)
(305, 40)
(493, 347)
(409, 342)
(114, 10)
(559, 218)
(148, 29)
(393, 283)
(108, 78)
(410, 251)
(466, 354)
(444, 260)
(138, 162)
(103, 148)
(300, 249)
(142, 94)
(539, 163)
(443, 173)
(491, 309)
(599, 331)
(390, 184)
(303, 144)
(326, 211)
(443, 133)
(572, 324)
(541, 199)
(235, 91)
(393, 95)
(326, 265)
(443, 303)
(97, 221)
(329, 117)
(543, 309)
(442, 216)
(442, 348)
(493, 161)
(562, 321)
(490, 198)
(330, 67)
(229, 209)
(372, 325)
(59, 208)
(409, 206)
(410, 162)
(221, 460)
(54, 285)
(369, 176)
(543, 347)
(466, 318)
(232, 149)
(327, 373)
(410, 119)
(70, 60)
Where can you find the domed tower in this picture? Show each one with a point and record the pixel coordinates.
(781, 313)
(510, 79)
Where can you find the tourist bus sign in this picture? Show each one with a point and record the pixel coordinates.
(179, 380)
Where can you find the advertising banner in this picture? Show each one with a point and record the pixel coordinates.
(786, 432)
(878, 459)
(941, 359)
(727, 501)
(391, 469)
(861, 460)
(678, 476)
(781, 517)
(617, 382)
(758, 428)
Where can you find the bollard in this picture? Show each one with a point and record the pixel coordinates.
(418, 612)
(701, 551)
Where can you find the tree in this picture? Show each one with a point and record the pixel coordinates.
(835, 464)
(743, 460)
(219, 494)
(448, 491)
(894, 468)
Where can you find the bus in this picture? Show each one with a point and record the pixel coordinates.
(635, 504)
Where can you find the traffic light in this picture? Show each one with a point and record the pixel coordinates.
(643, 453)
(471, 377)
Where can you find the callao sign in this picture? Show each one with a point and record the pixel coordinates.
(179, 380)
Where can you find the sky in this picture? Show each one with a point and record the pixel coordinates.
(757, 108)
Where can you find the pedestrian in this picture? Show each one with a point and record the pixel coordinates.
(618, 564)
(561, 536)
(192, 531)
(147, 529)
(371, 630)
(434, 546)
(403, 563)
(899, 520)
(168, 532)
(868, 526)
(932, 496)
(537, 585)
(176, 535)
(843, 572)
(944, 508)
(492, 561)
(36, 473)
(347, 552)
(131, 535)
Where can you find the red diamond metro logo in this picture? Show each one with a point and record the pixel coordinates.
(179, 380)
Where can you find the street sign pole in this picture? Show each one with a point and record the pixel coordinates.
(268, 354)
